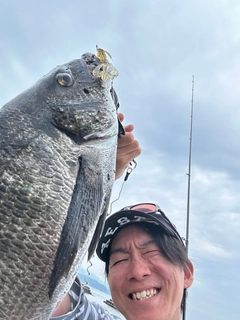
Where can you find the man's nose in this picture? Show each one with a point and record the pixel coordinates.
(139, 268)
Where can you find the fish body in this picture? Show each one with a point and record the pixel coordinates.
(58, 144)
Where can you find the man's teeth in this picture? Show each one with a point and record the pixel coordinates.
(144, 294)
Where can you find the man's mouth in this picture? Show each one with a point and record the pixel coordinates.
(145, 294)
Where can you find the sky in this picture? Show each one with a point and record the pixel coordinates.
(157, 47)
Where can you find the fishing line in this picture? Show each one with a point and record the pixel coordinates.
(88, 272)
(131, 166)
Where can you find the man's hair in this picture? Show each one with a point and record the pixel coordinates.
(170, 247)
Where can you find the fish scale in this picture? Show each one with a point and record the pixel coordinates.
(58, 144)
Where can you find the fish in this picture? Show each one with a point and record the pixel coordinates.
(58, 143)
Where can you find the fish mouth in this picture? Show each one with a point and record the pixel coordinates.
(103, 135)
(145, 294)
(94, 137)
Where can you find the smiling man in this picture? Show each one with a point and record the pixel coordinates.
(146, 263)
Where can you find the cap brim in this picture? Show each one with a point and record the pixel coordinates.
(121, 219)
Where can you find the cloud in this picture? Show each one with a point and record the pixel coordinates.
(212, 250)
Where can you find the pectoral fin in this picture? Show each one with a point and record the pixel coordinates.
(83, 210)
(98, 231)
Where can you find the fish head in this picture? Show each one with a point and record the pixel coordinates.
(81, 105)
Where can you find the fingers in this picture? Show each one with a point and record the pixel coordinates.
(128, 148)
(125, 140)
(128, 153)
(120, 116)
(123, 160)
(129, 128)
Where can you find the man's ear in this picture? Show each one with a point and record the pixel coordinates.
(188, 275)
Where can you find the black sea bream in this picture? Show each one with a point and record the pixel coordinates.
(58, 144)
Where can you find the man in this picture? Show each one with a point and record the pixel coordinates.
(146, 263)
(146, 266)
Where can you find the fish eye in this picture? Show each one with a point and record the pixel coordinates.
(64, 79)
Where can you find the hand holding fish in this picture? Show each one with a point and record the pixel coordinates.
(128, 148)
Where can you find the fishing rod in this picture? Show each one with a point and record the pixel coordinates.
(188, 194)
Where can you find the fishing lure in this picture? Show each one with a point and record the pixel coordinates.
(104, 70)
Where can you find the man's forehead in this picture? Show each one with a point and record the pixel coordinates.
(133, 234)
(125, 248)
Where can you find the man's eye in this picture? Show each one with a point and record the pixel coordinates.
(118, 261)
(151, 253)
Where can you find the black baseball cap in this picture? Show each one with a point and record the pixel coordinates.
(143, 212)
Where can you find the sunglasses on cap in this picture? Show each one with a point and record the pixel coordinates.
(151, 208)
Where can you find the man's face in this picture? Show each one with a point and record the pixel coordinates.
(144, 285)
